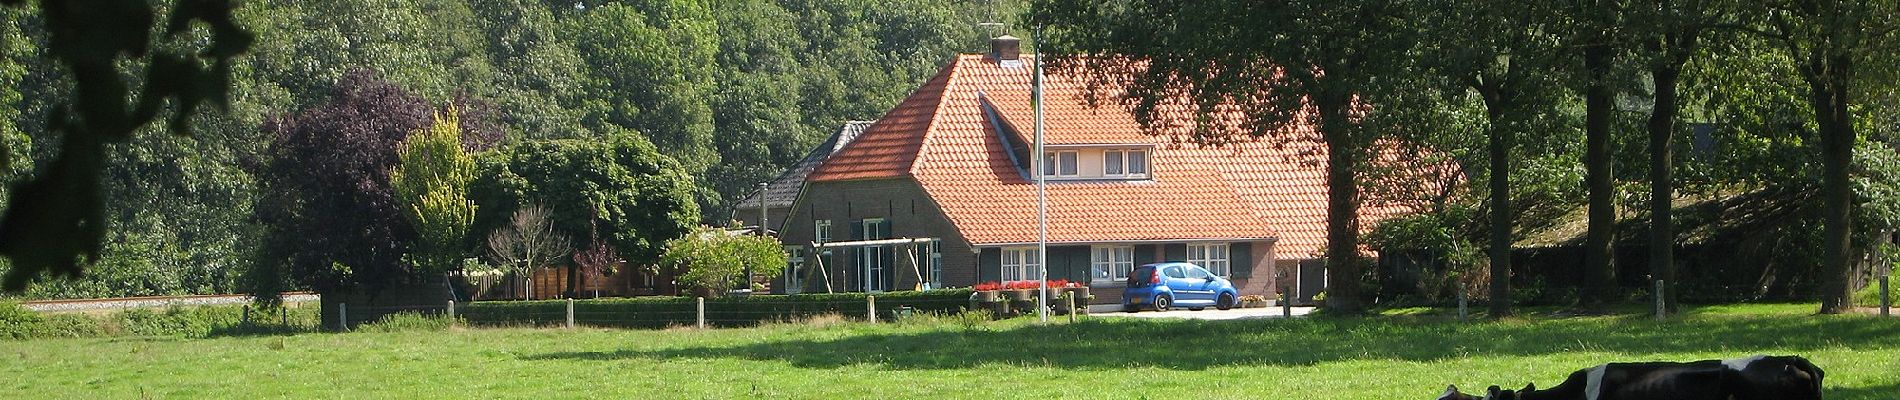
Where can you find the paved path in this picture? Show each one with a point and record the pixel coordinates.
(1209, 314)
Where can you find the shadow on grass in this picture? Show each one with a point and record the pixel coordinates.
(1195, 345)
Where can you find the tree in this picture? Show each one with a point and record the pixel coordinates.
(641, 197)
(1499, 55)
(326, 201)
(597, 257)
(527, 243)
(1594, 29)
(1278, 64)
(712, 260)
(56, 219)
(431, 187)
(1828, 40)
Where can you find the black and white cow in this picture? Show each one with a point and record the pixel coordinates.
(1750, 378)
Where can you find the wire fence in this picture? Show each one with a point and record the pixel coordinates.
(668, 312)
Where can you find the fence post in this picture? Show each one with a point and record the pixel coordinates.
(451, 310)
(870, 308)
(1886, 300)
(283, 315)
(1286, 303)
(570, 313)
(1659, 299)
(702, 311)
(343, 317)
(1463, 303)
(247, 315)
(1071, 298)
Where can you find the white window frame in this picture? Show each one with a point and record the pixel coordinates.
(794, 262)
(871, 266)
(1216, 257)
(821, 230)
(1111, 263)
(1019, 264)
(935, 249)
(1052, 163)
(1129, 164)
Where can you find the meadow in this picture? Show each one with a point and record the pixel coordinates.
(1404, 354)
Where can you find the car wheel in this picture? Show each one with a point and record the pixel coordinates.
(1226, 301)
(1162, 302)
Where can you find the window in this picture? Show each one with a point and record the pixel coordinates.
(935, 262)
(871, 265)
(1174, 271)
(1019, 263)
(1213, 256)
(794, 268)
(1137, 163)
(1059, 163)
(1111, 263)
(823, 228)
(1125, 163)
(1196, 273)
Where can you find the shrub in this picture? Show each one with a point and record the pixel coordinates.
(188, 321)
(17, 322)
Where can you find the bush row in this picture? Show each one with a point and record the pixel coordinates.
(17, 322)
(660, 312)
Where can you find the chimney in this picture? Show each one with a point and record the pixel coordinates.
(1006, 48)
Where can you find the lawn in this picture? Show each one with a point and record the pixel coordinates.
(1389, 357)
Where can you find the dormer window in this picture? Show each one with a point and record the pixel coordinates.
(1060, 164)
(1125, 163)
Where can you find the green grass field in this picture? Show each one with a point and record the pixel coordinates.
(1387, 357)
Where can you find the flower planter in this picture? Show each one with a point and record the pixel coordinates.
(1022, 295)
(1080, 292)
(987, 296)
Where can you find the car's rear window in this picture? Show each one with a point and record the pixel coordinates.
(1140, 275)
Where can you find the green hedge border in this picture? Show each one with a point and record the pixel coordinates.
(732, 311)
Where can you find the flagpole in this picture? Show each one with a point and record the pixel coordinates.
(1042, 186)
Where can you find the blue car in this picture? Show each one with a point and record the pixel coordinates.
(1162, 286)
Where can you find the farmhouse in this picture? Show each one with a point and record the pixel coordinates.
(949, 168)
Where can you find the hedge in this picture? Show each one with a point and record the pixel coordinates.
(734, 311)
(17, 322)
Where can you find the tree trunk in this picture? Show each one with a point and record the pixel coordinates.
(1828, 77)
(1662, 125)
(1342, 205)
(1499, 145)
(1599, 274)
(573, 280)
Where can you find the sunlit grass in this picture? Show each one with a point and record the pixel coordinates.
(1411, 355)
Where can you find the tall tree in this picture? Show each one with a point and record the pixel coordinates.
(1498, 54)
(1280, 63)
(326, 199)
(1594, 28)
(1828, 41)
(1669, 33)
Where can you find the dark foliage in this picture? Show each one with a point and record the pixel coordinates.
(326, 198)
(58, 217)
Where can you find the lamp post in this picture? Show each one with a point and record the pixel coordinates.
(1042, 187)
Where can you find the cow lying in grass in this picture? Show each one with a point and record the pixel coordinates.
(1751, 378)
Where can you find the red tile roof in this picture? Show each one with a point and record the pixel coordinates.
(942, 137)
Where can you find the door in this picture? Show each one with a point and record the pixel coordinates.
(1199, 279)
(1176, 279)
